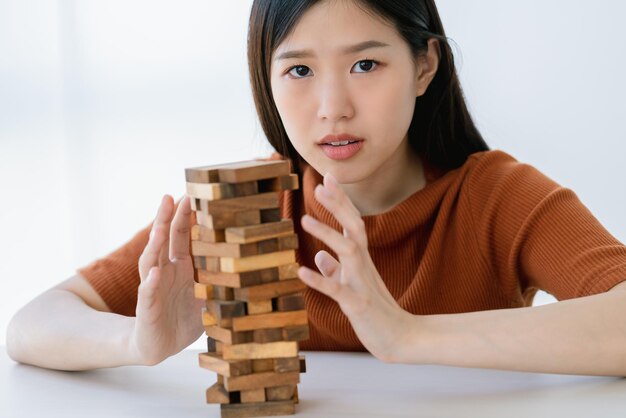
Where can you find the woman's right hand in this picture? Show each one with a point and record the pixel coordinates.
(168, 317)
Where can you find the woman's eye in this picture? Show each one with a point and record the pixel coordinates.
(299, 71)
(365, 65)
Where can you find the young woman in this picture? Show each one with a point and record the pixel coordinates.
(418, 243)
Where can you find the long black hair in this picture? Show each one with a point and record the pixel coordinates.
(441, 130)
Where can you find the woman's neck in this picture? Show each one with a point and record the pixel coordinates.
(391, 184)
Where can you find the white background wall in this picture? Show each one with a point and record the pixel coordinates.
(103, 104)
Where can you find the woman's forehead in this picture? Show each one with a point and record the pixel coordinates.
(337, 26)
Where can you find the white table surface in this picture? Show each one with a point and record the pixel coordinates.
(335, 385)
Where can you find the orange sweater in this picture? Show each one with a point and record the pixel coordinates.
(484, 236)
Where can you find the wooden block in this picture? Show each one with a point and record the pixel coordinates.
(287, 303)
(202, 192)
(206, 263)
(267, 335)
(302, 364)
(280, 393)
(260, 380)
(287, 242)
(205, 174)
(236, 280)
(203, 291)
(255, 233)
(259, 307)
(270, 320)
(202, 233)
(208, 319)
(229, 219)
(254, 395)
(225, 249)
(252, 170)
(288, 271)
(228, 336)
(270, 215)
(222, 292)
(256, 262)
(245, 203)
(218, 394)
(295, 395)
(220, 379)
(269, 290)
(296, 333)
(258, 351)
(287, 364)
(216, 363)
(222, 309)
(211, 345)
(289, 182)
(262, 365)
(208, 191)
(257, 409)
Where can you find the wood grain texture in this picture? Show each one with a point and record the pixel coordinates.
(258, 307)
(269, 320)
(289, 182)
(258, 351)
(202, 291)
(254, 395)
(218, 394)
(236, 280)
(252, 170)
(228, 336)
(238, 204)
(296, 333)
(215, 362)
(294, 302)
(280, 393)
(269, 290)
(255, 233)
(256, 262)
(260, 380)
(202, 233)
(200, 193)
(267, 335)
(229, 219)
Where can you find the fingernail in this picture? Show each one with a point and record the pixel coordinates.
(309, 219)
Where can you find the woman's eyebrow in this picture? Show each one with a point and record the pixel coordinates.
(351, 49)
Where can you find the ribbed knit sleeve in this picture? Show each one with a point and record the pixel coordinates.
(536, 234)
(116, 276)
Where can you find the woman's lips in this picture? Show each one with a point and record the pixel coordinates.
(341, 152)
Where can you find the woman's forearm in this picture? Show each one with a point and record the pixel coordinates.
(57, 330)
(578, 336)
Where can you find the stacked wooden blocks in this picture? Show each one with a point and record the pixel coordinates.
(244, 256)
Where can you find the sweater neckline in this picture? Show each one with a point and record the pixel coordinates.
(395, 224)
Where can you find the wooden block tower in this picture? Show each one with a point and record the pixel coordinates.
(244, 256)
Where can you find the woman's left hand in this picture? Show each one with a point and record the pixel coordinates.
(353, 282)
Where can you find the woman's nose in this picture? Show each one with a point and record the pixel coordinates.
(334, 101)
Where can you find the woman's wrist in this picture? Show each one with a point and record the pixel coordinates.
(414, 342)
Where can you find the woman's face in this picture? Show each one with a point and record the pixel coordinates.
(323, 84)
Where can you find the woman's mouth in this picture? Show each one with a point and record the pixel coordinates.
(341, 150)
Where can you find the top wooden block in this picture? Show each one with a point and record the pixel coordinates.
(237, 172)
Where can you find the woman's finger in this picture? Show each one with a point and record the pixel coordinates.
(327, 264)
(332, 196)
(327, 286)
(179, 233)
(341, 245)
(159, 234)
